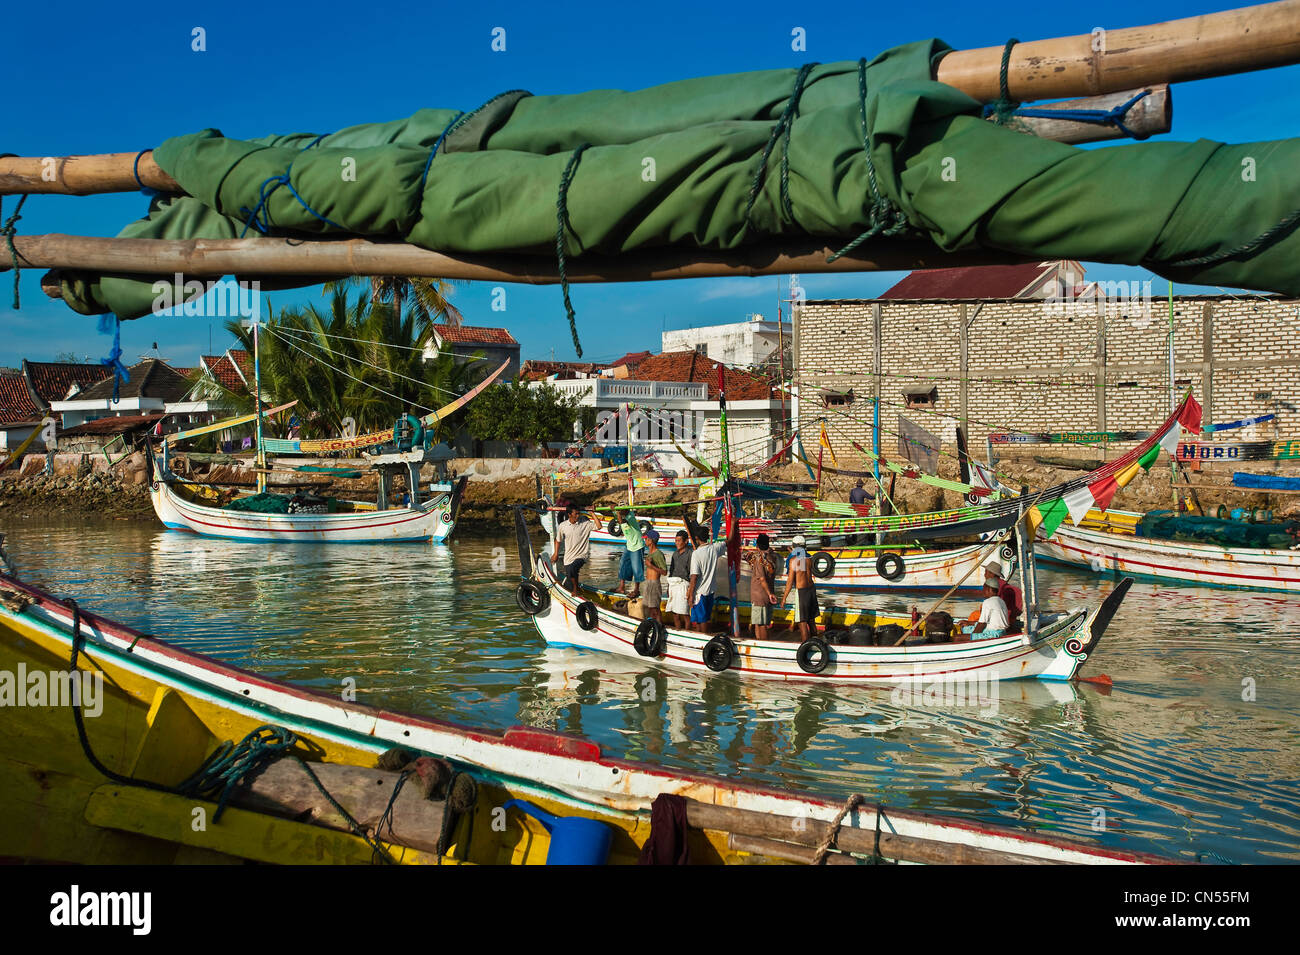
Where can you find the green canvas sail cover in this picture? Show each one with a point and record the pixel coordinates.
(723, 162)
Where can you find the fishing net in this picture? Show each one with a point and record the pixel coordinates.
(261, 504)
(847, 152)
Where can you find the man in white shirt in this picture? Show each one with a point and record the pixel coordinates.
(993, 620)
(574, 532)
(704, 568)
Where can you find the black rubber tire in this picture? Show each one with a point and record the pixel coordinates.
(645, 528)
(719, 653)
(650, 640)
(823, 564)
(862, 635)
(890, 566)
(813, 655)
(612, 528)
(587, 616)
(531, 597)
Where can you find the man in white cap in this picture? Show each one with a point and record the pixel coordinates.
(799, 577)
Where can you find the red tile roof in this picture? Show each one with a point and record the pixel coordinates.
(15, 402)
(52, 380)
(118, 425)
(539, 369)
(223, 370)
(473, 335)
(692, 366)
(632, 359)
(988, 281)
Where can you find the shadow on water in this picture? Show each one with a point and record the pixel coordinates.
(1191, 752)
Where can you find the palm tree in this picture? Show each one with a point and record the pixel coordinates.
(351, 359)
(430, 298)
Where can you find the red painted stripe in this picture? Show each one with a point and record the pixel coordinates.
(305, 530)
(1181, 570)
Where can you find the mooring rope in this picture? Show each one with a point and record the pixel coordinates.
(780, 131)
(857, 799)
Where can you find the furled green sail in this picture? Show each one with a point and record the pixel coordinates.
(723, 162)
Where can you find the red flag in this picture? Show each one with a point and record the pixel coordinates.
(1190, 416)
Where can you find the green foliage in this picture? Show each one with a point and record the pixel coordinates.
(354, 359)
(513, 411)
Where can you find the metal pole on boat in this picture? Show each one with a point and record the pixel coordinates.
(729, 516)
(260, 458)
(1173, 460)
(1025, 560)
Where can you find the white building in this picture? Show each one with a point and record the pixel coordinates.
(738, 344)
(670, 413)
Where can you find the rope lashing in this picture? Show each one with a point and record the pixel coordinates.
(780, 131)
(1001, 109)
(1096, 117)
(884, 218)
(135, 173)
(1261, 241)
(563, 223)
(819, 857)
(9, 230)
(225, 768)
(267, 189)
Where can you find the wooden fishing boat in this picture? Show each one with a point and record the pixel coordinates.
(1107, 543)
(475, 796)
(432, 516)
(1054, 646)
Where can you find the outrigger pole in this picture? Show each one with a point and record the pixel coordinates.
(730, 518)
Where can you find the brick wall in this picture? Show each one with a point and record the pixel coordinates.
(1034, 367)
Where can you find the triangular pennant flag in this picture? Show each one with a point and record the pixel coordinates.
(1190, 415)
(1103, 492)
(1047, 516)
(826, 443)
(1079, 502)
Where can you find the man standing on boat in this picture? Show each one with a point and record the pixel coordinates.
(631, 568)
(574, 532)
(704, 571)
(762, 587)
(799, 577)
(679, 582)
(656, 567)
(859, 495)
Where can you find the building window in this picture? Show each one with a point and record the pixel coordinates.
(702, 349)
(836, 399)
(922, 397)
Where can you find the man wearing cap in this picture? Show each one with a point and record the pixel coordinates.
(631, 569)
(655, 568)
(799, 577)
(762, 587)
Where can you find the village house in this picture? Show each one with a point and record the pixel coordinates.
(739, 344)
(488, 347)
(43, 383)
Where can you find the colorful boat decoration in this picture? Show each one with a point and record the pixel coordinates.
(1239, 450)
(1108, 544)
(165, 711)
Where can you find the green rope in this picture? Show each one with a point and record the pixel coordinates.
(780, 131)
(1261, 241)
(884, 218)
(563, 223)
(1004, 106)
(9, 230)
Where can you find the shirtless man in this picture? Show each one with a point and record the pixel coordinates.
(799, 577)
(656, 568)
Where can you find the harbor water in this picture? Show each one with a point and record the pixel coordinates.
(1191, 753)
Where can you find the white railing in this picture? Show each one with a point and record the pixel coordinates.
(629, 389)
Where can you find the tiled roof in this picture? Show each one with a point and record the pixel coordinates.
(692, 366)
(223, 370)
(537, 369)
(52, 380)
(986, 281)
(151, 378)
(114, 425)
(15, 402)
(632, 359)
(473, 335)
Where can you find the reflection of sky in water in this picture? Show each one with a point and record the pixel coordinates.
(1175, 758)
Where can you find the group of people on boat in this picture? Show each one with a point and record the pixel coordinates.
(683, 583)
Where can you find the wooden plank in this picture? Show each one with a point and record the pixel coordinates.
(241, 833)
(785, 851)
(1149, 116)
(810, 832)
(175, 742)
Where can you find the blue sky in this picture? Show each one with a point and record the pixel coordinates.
(96, 80)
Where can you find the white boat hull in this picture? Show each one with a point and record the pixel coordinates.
(434, 520)
(1063, 643)
(1179, 562)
